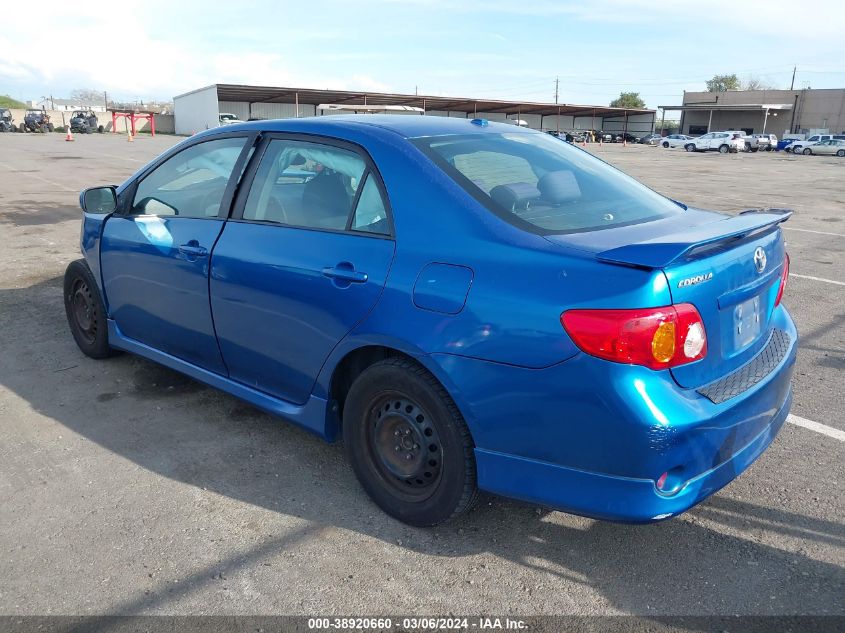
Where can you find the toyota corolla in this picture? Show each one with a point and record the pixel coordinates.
(468, 305)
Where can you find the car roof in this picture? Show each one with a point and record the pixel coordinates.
(409, 126)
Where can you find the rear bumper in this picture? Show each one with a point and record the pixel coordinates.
(592, 437)
(610, 497)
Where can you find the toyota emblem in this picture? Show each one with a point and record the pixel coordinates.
(760, 259)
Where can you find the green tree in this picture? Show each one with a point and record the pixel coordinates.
(723, 83)
(631, 100)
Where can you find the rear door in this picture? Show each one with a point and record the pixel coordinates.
(155, 254)
(303, 260)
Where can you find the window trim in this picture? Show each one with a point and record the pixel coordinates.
(128, 195)
(369, 169)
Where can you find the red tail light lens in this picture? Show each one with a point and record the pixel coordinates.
(658, 338)
(783, 277)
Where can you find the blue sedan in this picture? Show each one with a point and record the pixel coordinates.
(469, 306)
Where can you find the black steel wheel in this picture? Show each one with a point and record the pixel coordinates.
(666, 144)
(408, 444)
(85, 312)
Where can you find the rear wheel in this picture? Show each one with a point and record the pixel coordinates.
(724, 149)
(85, 312)
(841, 153)
(666, 144)
(408, 444)
(690, 147)
(807, 151)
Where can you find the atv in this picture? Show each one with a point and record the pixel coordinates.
(6, 120)
(36, 121)
(85, 122)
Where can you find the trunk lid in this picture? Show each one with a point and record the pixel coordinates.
(728, 267)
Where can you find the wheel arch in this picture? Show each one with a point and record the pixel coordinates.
(348, 363)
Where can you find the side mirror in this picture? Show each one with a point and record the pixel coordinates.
(99, 200)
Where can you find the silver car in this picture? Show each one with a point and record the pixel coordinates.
(830, 147)
(675, 140)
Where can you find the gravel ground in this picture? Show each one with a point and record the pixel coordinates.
(126, 488)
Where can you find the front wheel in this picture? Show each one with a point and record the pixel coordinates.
(807, 151)
(690, 147)
(724, 149)
(666, 144)
(408, 444)
(86, 314)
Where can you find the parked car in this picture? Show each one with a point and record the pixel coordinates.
(760, 142)
(562, 135)
(227, 118)
(797, 147)
(830, 147)
(7, 123)
(85, 122)
(675, 140)
(783, 144)
(723, 142)
(651, 139)
(625, 136)
(397, 281)
(36, 121)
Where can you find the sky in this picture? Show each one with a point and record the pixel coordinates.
(496, 49)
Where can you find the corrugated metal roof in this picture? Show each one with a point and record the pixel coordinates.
(310, 96)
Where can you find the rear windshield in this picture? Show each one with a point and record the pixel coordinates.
(543, 185)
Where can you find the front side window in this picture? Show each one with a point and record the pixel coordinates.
(305, 184)
(192, 183)
(544, 186)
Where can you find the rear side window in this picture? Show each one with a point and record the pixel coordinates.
(542, 185)
(305, 184)
(192, 183)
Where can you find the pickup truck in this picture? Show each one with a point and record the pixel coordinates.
(760, 142)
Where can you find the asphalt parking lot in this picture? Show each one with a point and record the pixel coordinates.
(126, 488)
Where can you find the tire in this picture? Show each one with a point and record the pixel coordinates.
(755, 149)
(100, 129)
(724, 149)
(841, 153)
(690, 147)
(666, 144)
(22, 127)
(408, 444)
(796, 150)
(86, 314)
(806, 151)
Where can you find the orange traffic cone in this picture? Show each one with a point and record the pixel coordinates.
(69, 136)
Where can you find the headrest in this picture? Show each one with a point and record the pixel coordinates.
(515, 196)
(559, 186)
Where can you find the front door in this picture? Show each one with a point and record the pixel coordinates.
(155, 255)
(302, 262)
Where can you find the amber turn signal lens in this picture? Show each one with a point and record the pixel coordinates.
(663, 342)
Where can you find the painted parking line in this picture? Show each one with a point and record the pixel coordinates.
(827, 281)
(815, 426)
(35, 177)
(792, 228)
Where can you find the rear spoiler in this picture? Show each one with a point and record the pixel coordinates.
(661, 251)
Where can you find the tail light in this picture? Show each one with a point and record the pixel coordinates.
(657, 338)
(783, 277)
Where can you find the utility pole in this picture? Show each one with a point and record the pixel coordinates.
(792, 85)
(557, 85)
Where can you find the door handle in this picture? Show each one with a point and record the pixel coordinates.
(193, 249)
(346, 273)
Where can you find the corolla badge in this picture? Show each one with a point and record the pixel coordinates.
(698, 279)
(760, 259)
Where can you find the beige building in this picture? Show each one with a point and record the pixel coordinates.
(756, 111)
